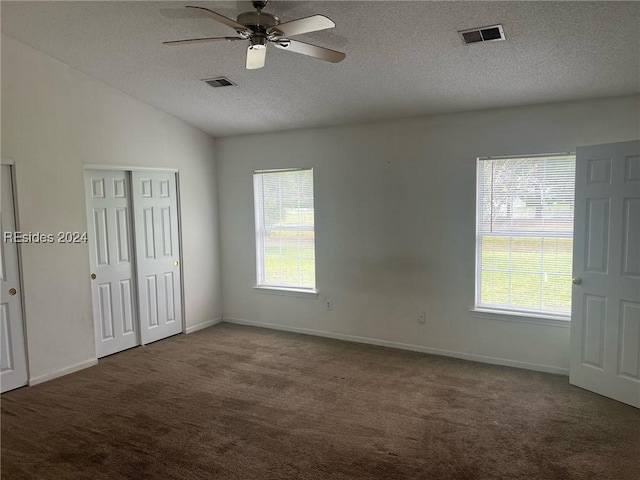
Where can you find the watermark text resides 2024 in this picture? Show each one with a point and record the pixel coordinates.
(42, 238)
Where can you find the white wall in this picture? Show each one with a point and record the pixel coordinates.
(395, 208)
(54, 120)
(395, 231)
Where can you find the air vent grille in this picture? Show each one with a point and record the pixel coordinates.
(219, 82)
(484, 34)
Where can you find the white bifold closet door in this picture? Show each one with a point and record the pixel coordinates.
(113, 287)
(132, 220)
(157, 248)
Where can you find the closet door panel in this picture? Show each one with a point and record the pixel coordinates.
(157, 246)
(112, 270)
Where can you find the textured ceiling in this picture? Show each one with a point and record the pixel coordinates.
(403, 58)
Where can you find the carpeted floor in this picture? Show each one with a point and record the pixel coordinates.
(234, 402)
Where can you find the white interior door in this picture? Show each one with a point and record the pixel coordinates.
(13, 363)
(112, 260)
(605, 320)
(157, 251)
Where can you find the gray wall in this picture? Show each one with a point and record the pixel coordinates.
(54, 120)
(395, 225)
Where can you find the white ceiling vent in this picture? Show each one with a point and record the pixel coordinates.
(483, 34)
(219, 82)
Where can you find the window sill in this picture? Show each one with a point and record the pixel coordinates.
(293, 292)
(521, 317)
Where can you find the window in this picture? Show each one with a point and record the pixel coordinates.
(524, 242)
(285, 235)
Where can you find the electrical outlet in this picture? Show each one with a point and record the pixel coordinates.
(422, 318)
(328, 303)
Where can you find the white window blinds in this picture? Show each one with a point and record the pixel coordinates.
(524, 243)
(285, 234)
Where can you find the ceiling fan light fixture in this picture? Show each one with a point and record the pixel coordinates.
(258, 42)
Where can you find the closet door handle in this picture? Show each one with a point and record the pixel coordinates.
(176, 263)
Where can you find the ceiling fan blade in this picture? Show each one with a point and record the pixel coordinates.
(310, 50)
(222, 19)
(256, 57)
(302, 25)
(202, 40)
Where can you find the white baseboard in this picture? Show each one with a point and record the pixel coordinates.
(60, 373)
(203, 325)
(405, 346)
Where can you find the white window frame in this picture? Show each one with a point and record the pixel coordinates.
(519, 315)
(261, 285)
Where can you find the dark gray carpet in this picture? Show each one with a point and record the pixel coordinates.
(234, 402)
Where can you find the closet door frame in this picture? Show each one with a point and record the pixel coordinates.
(176, 172)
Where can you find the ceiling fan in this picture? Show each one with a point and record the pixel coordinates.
(261, 28)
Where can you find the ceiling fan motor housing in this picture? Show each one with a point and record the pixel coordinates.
(258, 21)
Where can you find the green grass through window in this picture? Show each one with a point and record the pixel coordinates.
(290, 265)
(526, 272)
